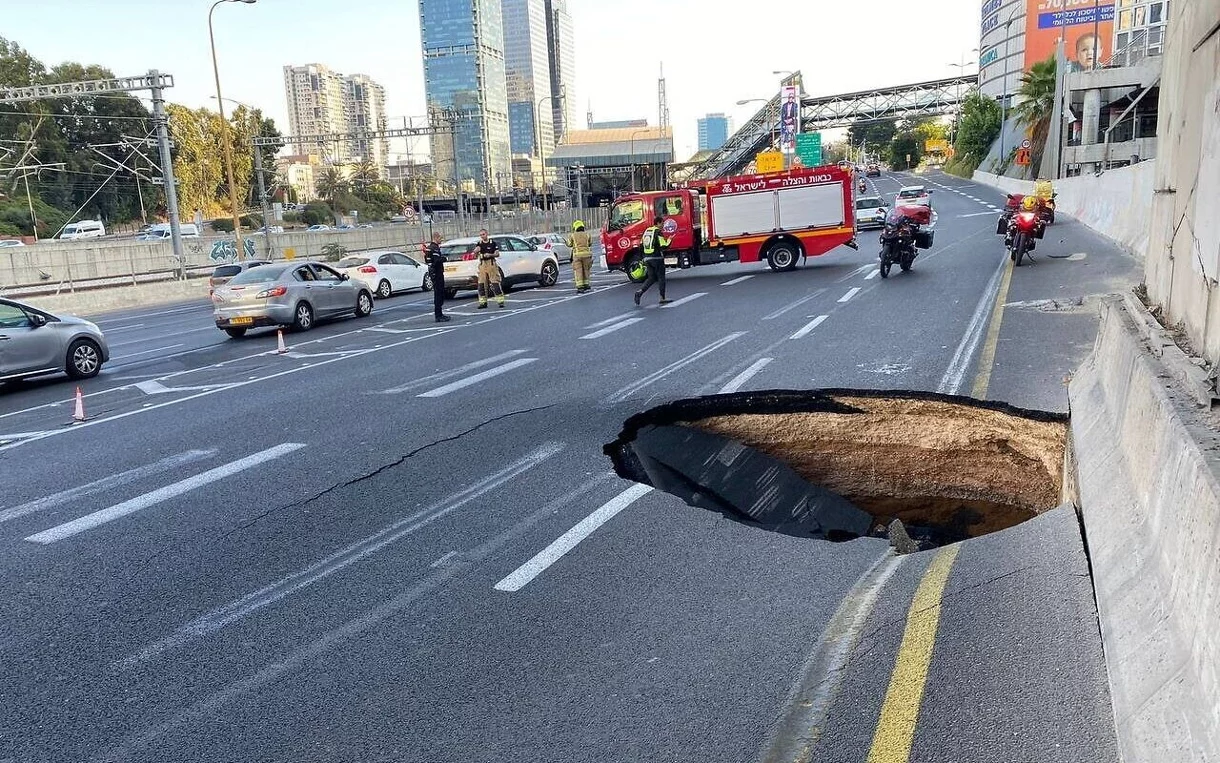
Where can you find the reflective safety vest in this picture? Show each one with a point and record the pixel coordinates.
(581, 243)
(653, 241)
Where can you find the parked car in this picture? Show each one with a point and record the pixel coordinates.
(552, 242)
(346, 227)
(34, 342)
(295, 294)
(519, 261)
(913, 195)
(870, 212)
(222, 274)
(11, 242)
(386, 273)
(315, 228)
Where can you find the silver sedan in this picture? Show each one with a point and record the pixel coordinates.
(34, 342)
(296, 294)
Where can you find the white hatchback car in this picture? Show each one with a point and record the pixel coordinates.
(913, 195)
(519, 261)
(386, 273)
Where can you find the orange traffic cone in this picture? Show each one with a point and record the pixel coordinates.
(281, 348)
(79, 413)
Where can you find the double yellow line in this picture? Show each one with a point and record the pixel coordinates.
(895, 733)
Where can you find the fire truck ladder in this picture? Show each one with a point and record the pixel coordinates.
(933, 98)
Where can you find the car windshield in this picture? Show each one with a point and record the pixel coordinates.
(869, 203)
(226, 271)
(910, 193)
(351, 262)
(452, 249)
(627, 213)
(265, 274)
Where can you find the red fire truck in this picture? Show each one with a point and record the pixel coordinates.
(779, 218)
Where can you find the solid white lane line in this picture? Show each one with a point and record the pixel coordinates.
(611, 329)
(853, 291)
(739, 279)
(810, 326)
(521, 577)
(147, 352)
(745, 376)
(798, 303)
(119, 510)
(117, 329)
(872, 274)
(175, 332)
(608, 321)
(973, 214)
(955, 374)
(109, 482)
(442, 375)
(656, 376)
(684, 300)
(852, 274)
(341, 559)
(472, 380)
(441, 562)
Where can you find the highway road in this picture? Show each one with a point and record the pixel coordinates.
(401, 540)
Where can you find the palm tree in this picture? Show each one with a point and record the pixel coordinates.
(330, 183)
(1037, 95)
(365, 176)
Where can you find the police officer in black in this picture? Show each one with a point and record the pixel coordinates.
(436, 269)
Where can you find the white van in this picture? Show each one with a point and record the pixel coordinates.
(161, 232)
(83, 229)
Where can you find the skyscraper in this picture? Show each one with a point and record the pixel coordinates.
(364, 105)
(315, 102)
(463, 46)
(527, 71)
(562, 47)
(713, 132)
(321, 101)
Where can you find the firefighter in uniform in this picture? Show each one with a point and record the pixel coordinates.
(655, 244)
(489, 271)
(581, 244)
(436, 270)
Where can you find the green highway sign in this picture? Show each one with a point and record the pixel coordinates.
(809, 148)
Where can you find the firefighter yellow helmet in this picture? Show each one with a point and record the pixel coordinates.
(1029, 203)
(578, 225)
(639, 270)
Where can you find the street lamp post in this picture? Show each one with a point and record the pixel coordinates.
(1004, 85)
(227, 147)
(542, 145)
(961, 71)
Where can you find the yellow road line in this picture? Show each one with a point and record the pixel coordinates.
(987, 358)
(896, 728)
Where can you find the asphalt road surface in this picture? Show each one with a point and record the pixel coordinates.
(401, 541)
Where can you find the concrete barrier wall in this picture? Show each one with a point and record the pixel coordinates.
(1116, 204)
(1149, 486)
(98, 301)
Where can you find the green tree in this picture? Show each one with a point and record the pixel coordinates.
(978, 126)
(331, 183)
(903, 145)
(878, 133)
(198, 164)
(1037, 103)
(365, 175)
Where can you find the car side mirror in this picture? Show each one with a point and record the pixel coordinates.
(344, 277)
(533, 247)
(37, 320)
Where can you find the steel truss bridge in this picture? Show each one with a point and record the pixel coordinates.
(933, 98)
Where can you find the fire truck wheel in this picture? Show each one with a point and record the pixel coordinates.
(782, 257)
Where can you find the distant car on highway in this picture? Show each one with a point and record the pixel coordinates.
(295, 294)
(263, 230)
(34, 342)
(163, 232)
(82, 229)
(224, 273)
(552, 242)
(398, 219)
(870, 212)
(386, 273)
(10, 242)
(913, 195)
(346, 227)
(316, 228)
(519, 261)
(873, 171)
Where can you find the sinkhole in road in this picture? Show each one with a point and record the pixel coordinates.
(843, 464)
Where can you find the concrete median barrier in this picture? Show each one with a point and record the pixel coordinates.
(97, 301)
(1148, 473)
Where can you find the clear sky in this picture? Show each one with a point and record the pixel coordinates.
(715, 52)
